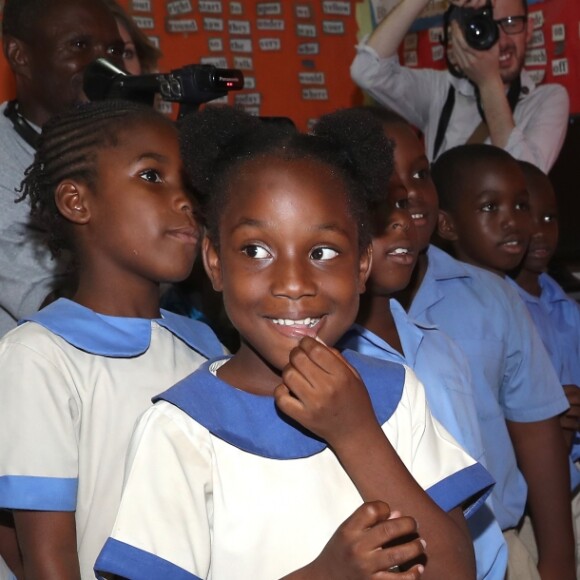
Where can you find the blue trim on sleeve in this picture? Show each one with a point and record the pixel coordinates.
(29, 492)
(119, 336)
(468, 488)
(129, 562)
(253, 423)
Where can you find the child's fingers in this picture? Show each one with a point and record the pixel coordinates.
(367, 515)
(391, 530)
(287, 402)
(326, 357)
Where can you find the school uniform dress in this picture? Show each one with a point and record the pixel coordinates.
(221, 485)
(511, 372)
(444, 372)
(73, 384)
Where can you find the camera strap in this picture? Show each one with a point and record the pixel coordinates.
(513, 96)
(21, 125)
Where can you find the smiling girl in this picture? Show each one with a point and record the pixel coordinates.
(278, 461)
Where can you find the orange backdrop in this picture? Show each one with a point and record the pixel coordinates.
(295, 55)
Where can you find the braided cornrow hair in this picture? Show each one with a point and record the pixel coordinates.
(68, 149)
(217, 141)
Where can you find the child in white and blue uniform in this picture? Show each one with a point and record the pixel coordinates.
(246, 468)
(77, 374)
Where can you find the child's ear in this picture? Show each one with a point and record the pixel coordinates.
(446, 226)
(365, 265)
(72, 201)
(212, 263)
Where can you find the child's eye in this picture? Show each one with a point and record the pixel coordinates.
(549, 218)
(402, 203)
(523, 206)
(421, 174)
(151, 176)
(488, 207)
(256, 252)
(322, 254)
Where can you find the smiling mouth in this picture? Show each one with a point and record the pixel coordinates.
(298, 323)
(513, 246)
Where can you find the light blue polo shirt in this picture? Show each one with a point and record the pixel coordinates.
(557, 318)
(512, 374)
(444, 372)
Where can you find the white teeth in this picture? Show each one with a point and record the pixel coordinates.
(514, 243)
(399, 251)
(309, 322)
(417, 216)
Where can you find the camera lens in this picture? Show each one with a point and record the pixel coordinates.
(480, 31)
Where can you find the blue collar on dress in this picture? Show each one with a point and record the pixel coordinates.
(120, 337)
(254, 424)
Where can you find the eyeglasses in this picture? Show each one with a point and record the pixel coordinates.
(512, 24)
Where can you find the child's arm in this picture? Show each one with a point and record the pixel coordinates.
(48, 544)
(570, 420)
(9, 550)
(542, 458)
(323, 393)
(357, 548)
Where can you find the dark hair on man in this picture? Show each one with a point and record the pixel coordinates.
(68, 149)
(20, 18)
(456, 167)
(217, 141)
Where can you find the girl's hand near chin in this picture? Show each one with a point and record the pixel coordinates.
(323, 393)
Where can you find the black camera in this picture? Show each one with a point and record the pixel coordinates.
(190, 85)
(479, 28)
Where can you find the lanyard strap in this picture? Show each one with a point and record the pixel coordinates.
(512, 97)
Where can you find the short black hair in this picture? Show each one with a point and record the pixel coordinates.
(456, 167)
(21, 17)
(68, 149)
(217, 141)
(531, 170)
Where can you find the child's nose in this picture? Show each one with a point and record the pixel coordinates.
(400, 218)
(182, 201)
(292, 279)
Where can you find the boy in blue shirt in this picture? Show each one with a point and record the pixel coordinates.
(384, 330)
(484, 216)
(556, 315)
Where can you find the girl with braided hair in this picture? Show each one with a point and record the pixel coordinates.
(107, 181)
(289, 458)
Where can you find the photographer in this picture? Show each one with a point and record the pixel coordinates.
(527, 121)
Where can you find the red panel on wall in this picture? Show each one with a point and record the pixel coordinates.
(296, 54)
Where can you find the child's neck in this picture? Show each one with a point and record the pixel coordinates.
(375, 315)
(138, 300)
(248, 371)
(529, 281)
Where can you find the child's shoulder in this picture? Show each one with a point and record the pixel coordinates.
(488, 285)
(115, 336)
